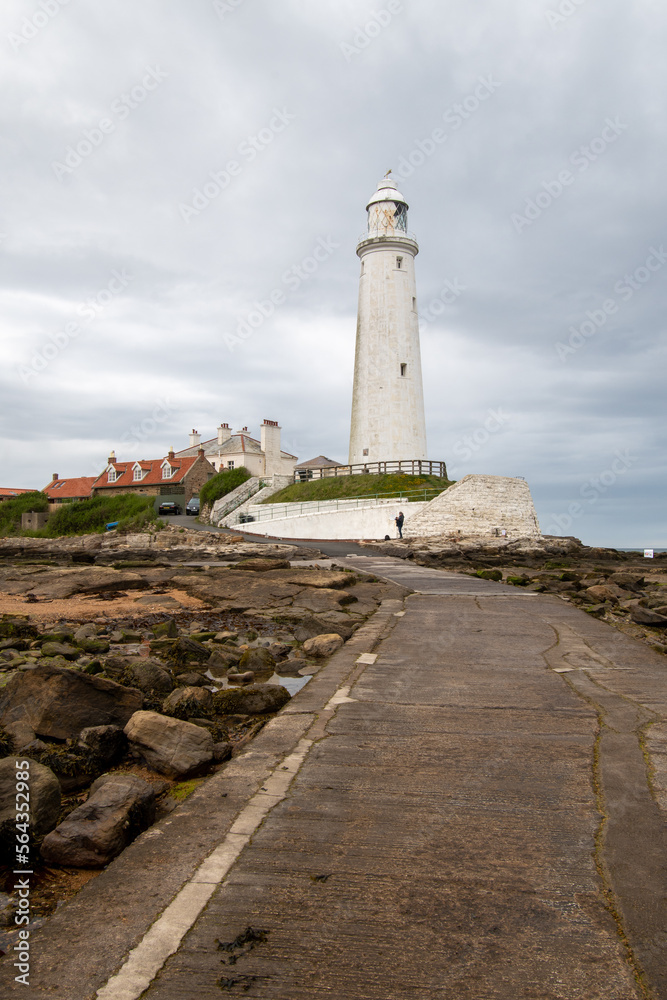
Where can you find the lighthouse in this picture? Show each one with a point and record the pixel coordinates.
(387, 400)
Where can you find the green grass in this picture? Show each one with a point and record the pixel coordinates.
(223, 483)
(133, 512)
(335, 487)
(11, 510)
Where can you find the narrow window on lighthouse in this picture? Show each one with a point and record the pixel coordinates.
(404, 371)
(399, 262)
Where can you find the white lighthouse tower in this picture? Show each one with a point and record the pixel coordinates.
(387, 401)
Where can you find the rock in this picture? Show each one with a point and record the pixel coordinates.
(166, 630)
(280, 650)
(186, 650)
(628, 581)
(319, 599)
(226, 637)
(148, 676)
(255, 700)
(58, 702)
(44, 793)
(257, 660)
(245, 678)
(60, 649)
(90, 645)
(262, 565)
(222, 751)
(16, 644)
(605, 592)
(642, 616)
(489, 574)
(292, 667)
(322, 645)
(202, 636)
(320, 578)
(17, 626)
(21, 733)
(107, 742)
(118, 808)
(192, 679)
(220, 662)
(188, 701)
(88, 631)
(66, 637)
(172, 747)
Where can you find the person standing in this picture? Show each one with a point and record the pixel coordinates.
(399, 523)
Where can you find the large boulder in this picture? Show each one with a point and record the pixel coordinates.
(188, 702)
(605, 592)
(148, 676)
(258, 699)
(59, 703)
(44, 792)
(186, 650)
(257, 660)
(642, 616)
(322, 645)
(171, 746)
(118, 808)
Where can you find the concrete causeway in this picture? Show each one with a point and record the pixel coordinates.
(457, 806)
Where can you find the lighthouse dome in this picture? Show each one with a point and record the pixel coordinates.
(387, 191)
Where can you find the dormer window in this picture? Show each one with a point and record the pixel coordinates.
(138, 474)
(167, 471)
(112, 476)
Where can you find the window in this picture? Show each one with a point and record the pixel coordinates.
(230, 465)
(167, 471)
(138, 474)
(414, 304)
(362, 267)
(404, 370)
(365, 451)
(399, 262)
(112, 475)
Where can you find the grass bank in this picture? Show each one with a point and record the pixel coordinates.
(337, 487)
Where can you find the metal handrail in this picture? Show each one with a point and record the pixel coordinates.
(296, 508)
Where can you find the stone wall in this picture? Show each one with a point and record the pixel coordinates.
(480, 505)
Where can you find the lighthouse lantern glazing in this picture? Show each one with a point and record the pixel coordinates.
(388, 421)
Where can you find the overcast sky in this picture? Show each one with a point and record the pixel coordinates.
(167, 165)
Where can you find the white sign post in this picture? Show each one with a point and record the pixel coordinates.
(648, 553)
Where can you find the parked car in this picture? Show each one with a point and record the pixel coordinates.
(169, 508)
(193, 506)
(245, 518)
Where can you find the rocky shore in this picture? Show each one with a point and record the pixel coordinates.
(131, 667)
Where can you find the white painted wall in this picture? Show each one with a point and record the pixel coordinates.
(366, 522)
(480, 505)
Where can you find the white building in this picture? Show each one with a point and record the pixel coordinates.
(388, 402)
(230, 450)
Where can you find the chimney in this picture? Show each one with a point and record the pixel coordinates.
(171, 456)
(201, 453)
(55, 476)
(270, 441)
(111, 460)
(224, 433)
(195, 438)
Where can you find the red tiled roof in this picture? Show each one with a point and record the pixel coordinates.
(6, 491)
(153, 477)
(76, 487)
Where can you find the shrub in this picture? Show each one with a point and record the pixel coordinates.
(132, 511)
(11, 510)
(222, 483)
